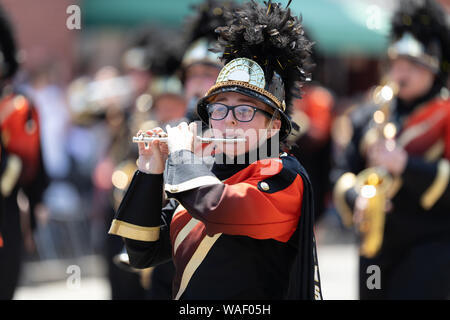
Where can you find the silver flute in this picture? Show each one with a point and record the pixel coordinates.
(143, 138)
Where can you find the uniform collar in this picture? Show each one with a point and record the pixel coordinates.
(227, 167)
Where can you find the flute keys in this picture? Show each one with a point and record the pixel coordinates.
(149, 138)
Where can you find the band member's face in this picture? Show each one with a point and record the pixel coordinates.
(255, 131)
(199, 78)
(413, 79)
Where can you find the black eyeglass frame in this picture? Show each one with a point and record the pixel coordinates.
(232, 108)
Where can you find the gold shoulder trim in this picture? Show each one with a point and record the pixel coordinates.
(197, 258)
(10, 175)
(435, 151)
(417, 130)
(184, 233)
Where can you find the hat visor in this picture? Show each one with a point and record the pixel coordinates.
(202, 111)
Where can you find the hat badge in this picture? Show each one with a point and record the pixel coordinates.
(243, 69)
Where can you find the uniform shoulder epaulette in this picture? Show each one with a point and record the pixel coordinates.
(283, 179)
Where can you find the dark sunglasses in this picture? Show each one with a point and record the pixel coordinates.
(242, 113)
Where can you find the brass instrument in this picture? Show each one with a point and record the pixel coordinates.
(121, 179)
(91, 98)
(375, 183)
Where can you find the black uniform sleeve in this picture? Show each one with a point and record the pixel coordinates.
(144, 254)
(143, 222)
(35, 190)
(428, 183)
(10, 170)
(2, 165)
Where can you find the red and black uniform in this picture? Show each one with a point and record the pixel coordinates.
(415, 255)
(21, 168)
(232, 232)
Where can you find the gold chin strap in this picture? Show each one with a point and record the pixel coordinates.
(269, 126)
(274, 116)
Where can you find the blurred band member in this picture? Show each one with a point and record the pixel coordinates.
(22, 175)
(200, 66)
(401, 206)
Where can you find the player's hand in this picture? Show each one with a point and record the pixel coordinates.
(153, 155)
(387, 154)
(181, 137)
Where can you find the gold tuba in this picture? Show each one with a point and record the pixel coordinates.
(374, 184)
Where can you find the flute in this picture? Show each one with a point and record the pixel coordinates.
(143, 138)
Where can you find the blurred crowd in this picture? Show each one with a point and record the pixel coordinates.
(65, 191)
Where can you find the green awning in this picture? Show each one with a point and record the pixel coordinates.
(337, 26)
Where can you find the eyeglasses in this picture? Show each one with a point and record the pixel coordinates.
(242, 113)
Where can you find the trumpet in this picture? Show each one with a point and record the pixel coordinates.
(147, 138)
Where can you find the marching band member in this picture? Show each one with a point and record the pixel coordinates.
(22, 174)
(244, 229)
(199, 65)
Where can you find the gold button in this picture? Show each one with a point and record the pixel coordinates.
(264, 186)
(174, 189)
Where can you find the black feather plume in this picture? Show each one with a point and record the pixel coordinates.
(165, 52)
(268, 34)
(8, 48)
(162, 46)
(208, 15)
